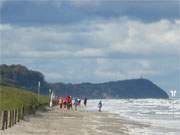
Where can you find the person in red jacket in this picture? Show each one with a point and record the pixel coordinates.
(68, 102)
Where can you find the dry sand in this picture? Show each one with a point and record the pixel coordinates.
(58, 122)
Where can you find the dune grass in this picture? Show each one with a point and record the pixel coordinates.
(13, 98)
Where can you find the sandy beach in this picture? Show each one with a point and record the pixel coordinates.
(59, 122)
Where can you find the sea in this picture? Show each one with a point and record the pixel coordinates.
(162, 116)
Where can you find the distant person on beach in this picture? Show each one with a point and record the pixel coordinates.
(68, 102)
(100, 105)
(65, 102)
(79, 102)
(71, 104)
(61, 102)
(85, 101)
(76, 101)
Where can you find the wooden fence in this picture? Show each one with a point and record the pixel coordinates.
(9, 118)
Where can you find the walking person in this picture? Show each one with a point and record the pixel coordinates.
(76, 103)
(85, 101)
(61, 102)
(64, 103)
(79, 102)
(71, 103)
(100, 105)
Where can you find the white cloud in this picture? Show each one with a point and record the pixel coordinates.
(4, 27)
(53, 77)
(118, 49)
(124, 69)
(90, 52)
(120, 36)
(136, 37)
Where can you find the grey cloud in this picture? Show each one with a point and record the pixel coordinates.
(106, 50)
(119, 38)
(28, 12)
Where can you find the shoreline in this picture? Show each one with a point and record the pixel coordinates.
(59, 122)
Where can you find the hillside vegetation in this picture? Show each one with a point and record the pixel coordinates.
(18, 75)
(13, 98)
(134, 88)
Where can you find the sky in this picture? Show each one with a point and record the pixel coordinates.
(74, 41)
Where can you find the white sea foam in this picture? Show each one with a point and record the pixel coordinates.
(157, 113)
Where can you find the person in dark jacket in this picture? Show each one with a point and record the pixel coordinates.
(85, 101)
(99, 106)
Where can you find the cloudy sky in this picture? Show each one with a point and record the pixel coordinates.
(94, 40)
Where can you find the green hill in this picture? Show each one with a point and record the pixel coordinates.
(134, 88)
(18, 75)
(13, 98)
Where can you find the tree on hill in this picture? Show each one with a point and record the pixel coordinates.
(19, 75)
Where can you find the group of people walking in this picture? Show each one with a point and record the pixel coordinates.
(68, 103)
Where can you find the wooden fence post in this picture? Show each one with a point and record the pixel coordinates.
(1, 118)
(10, 118)
(19, 114)
(22, 113)
(5, 120)
(15, 116)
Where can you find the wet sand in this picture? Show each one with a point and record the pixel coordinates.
(59, 122)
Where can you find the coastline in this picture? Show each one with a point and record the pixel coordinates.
(60, 122)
